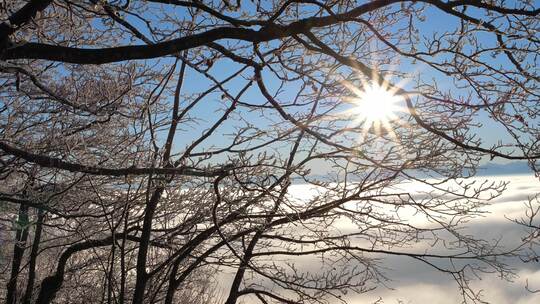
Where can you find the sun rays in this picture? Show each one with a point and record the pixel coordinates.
(375, 108)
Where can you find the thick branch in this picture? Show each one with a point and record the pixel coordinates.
(51, 162)
(20, 17)
(114, 54)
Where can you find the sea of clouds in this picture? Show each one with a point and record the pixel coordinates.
(415, 282)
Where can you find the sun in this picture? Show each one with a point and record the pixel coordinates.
(374, 107)
(376, 103)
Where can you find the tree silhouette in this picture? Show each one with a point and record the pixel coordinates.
(152, 149)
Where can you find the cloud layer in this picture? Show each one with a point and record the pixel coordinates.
(415, 282)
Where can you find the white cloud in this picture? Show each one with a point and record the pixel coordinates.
(414, 282)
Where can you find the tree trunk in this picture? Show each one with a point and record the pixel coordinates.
(27, 298)
(18, 252)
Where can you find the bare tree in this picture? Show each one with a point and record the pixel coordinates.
(149, 148)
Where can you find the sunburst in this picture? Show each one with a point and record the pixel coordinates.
(374, 107)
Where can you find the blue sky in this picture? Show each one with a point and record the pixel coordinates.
(436, 21)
